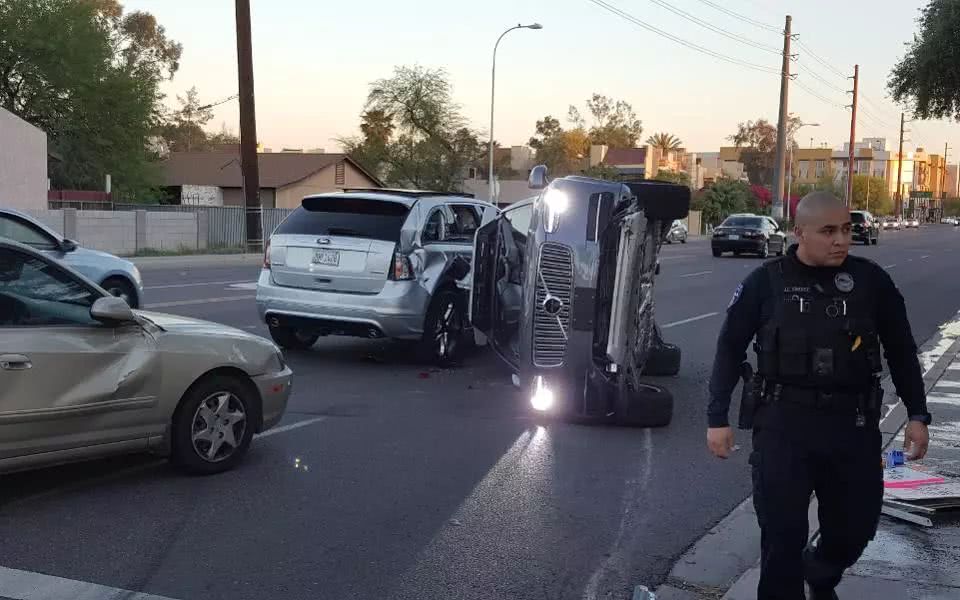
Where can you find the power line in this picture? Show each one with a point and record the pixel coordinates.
(818, 96)
(627, 16)
(883, 112)
(224, 101)
(822, 79)
(875, 118)
(714, 28)
(822, 61)
(743, 18)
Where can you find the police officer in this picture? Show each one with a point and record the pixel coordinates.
(819, 317)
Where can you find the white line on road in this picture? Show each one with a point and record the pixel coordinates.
(890, 266)
(690, 320)
(26, 585)
(948, 399)
(948, 383)
(197, 301)
(676, 256)
(955, 366)
(924, 256)
(195, 284)
(696, 274)
(290, 427)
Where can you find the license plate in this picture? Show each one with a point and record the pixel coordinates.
(328, 258)
(733, 236)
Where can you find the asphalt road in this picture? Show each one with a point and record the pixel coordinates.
(412, 482)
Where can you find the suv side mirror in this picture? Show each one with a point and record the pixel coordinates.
(538, 178)
(111, 309)
(67, 246)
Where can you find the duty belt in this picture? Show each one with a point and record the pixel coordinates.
(814, 398)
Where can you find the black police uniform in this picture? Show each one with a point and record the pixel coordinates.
(818, 336)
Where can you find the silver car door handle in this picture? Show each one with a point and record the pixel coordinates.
(15, 362)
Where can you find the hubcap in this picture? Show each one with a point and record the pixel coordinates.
(446, 331)
(218, 426)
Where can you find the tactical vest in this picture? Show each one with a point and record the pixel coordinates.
(821, 335)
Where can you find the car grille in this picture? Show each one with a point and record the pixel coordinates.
(550, 331)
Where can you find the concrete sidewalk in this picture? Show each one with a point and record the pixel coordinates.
(906, 561)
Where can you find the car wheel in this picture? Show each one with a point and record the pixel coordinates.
(121, 288)
(289, 338)
(649, 406)
(716, 253)
(444, 331)
(214, 424)
(875, 241)
(765, 250)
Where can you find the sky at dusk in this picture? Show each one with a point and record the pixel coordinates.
(314, 61)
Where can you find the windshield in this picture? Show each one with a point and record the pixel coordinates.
(857, 217)
(350, 217)
(750, 222)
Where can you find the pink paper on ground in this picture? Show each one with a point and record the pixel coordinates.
(905, 477)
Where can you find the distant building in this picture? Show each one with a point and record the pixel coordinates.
(214, 178)
(704, 168)
(23, 164)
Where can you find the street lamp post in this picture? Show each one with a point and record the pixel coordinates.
(493, 82)
(790, 166)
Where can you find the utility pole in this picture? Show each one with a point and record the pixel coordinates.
(248, 129)
(899, 195)
(853, 134)
(778, 201)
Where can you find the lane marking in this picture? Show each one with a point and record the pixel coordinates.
(954, 366)
(196, 284)
(925, 256)
(290, 427)
(27, 585)
(690, 320)
(246, 285)
(947, 383)
(696, 274)
(197, 301)
(674, 257)
(951, 400)
(890, 266)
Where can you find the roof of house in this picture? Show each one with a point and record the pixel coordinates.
(222, 169)
(626, 156)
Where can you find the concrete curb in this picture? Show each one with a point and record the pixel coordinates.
(724, 562)
(195, 260)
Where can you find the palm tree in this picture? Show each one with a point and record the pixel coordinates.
(664, 142)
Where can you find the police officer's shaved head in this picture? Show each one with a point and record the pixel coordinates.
(822, 229)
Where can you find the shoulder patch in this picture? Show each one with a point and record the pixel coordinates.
(736, 295)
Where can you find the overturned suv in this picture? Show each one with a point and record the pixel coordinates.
(562, 289)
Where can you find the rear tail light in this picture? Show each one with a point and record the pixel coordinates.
(266, 255)
(402, 269)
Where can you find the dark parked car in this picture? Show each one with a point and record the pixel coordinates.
(750, 234)
(866, 227)
(562, 289)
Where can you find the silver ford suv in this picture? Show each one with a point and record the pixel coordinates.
(372, 263)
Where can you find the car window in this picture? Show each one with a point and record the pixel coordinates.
(754, 222)
(520, 218)
(466, 220)
(18, 231)
(857, 217)
(433, 230)
(36, 293)
(350, 217)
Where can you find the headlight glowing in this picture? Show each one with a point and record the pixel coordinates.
(542, 398)
(557, 203)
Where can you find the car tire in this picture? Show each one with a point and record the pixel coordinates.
(783, 248)
(650, 406)
(875, 241)
(121, 288)
(195, 428)
(683, 240)
(716, 253)
(289, 338)
(764, 250)
(444, 329)
(663, 361)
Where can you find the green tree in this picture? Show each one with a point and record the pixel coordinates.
(561, 150)
(679, 178)
(928, 75)
(614, 122)
(434, 145)
(183, 129)
(726, 197)
(880, 202)
(370, 149)
(88, 74)
(757, 141)
(665, 142)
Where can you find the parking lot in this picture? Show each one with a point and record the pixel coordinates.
(392, 479)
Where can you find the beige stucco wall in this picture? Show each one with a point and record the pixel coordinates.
(321, 182)
(23, 164)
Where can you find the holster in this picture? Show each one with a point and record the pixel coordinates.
(750, 395)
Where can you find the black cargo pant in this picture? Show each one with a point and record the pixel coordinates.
(799, 450)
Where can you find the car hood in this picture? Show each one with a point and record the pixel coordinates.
(220, 343)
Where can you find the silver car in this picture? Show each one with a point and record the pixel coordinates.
(562, 289)
(82, 375)
(677, 233)
(118, 276)
(374, 264)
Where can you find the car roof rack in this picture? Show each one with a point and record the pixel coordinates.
(407, 193)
